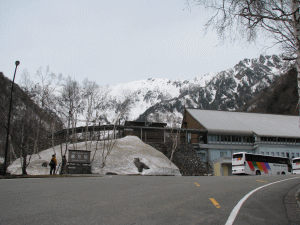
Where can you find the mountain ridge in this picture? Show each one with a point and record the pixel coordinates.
(163, 100)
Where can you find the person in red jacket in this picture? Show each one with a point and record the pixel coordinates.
(53, 164)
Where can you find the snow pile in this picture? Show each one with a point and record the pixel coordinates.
(119, 161)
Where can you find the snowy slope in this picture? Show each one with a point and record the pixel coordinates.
(163, 100)
(226, 90)
(119, 161)
(141, 95)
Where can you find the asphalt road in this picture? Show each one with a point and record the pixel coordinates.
(145, 200)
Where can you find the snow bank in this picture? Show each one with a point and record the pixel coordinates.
(120, 160)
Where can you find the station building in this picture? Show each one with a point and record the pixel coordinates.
(224, 133)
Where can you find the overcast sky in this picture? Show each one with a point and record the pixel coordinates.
(113, 41)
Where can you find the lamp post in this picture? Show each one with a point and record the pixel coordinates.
(8, 121)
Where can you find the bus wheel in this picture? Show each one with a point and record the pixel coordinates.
(258, 172)
(282, 173)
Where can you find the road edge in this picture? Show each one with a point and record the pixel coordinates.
(297, 195)
(238, 206)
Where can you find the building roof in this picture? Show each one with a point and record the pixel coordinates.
(247, 123)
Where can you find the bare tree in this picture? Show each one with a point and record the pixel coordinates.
(71, 103)
(42, 94)
(90, 90)
(24, 135)
(122, 109)
(246, 19)
(175, 141)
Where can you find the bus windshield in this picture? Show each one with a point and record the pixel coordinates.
(238, 159)
(237, 156)
(296, 160)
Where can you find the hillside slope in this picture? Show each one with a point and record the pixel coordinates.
(280, 98)
(228, 90)
(28, 120)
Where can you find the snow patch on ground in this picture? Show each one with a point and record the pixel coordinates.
(119, 161)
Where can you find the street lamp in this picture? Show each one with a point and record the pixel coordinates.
(8, 122)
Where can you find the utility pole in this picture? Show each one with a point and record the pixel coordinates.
(8, 122)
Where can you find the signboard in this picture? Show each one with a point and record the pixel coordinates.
(79, 156)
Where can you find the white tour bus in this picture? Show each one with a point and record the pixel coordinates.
(252, 164)
(296, 165)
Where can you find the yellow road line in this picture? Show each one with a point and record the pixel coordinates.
(215, 203)
(262, 181)
(197, 184)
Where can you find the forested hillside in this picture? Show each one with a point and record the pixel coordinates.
(280, 98)
(30, 124)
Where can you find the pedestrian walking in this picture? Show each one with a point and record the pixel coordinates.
(53, 164)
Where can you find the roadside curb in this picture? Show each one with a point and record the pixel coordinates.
(47, 176)
(297, 195)
(292, 205)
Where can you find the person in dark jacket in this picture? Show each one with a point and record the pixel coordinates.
(53, 164)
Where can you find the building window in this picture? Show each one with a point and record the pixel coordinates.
(247, 140)
(233, 138)
(267, 153)
(262, 153)
(291, 140)
(282, 154)
(223, 154)
(293, 155)
(297, 154)
(272, 153)
(209, 138)
(227, 138)
(222, 138)
(277, 153)
(214, 138)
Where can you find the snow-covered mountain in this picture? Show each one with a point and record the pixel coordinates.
(134, 98)
(159, 100)
(163, 100)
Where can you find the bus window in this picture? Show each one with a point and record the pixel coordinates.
(296, 160)
(237, 156)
